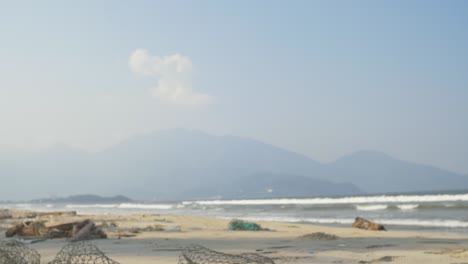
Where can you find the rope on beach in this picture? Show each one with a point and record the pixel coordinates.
(82, 252)
(196, 254)
(14, 252)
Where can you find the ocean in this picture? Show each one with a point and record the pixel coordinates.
(442, 213)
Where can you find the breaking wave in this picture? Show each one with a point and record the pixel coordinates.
(91, 205)
(371, 207)
(343, 200)
(146, 206)
(407, 207)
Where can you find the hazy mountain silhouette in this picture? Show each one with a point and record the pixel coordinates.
(186, 164)
(378, 172)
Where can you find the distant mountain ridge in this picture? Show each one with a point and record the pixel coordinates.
(379, 173)
(185, 164)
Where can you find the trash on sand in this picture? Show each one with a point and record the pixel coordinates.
(242, 225)
(196, 254)
(367, 225)
(78, 230)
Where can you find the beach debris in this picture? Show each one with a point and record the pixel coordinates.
(78, 230)
(109, 225)
(196, 254)
(387, 258)
(367, 225)
(29, 227)
(242, 225)
(14, 252)
(381, 246)
(5, 214)
(173, 229)
(135, 230)
(21, 214)
(379, 260)
(318, 236)
(51, 214)
(86, 229)
(121, 235)
(152, 228)
(83, 252)
(31, 240)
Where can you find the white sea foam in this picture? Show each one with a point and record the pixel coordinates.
(343, 200)
(371, 207)
(146, 206)
(407, 207)
(91, 205)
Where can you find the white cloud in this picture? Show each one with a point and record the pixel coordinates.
(174, 77)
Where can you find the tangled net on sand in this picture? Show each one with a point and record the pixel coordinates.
(196, 254)
(82, 252)
(14, 252)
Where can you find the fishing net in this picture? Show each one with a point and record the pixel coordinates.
(81, 252)
(14, 252)
(241, 225)
(200, 255)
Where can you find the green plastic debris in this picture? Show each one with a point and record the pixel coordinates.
(241, 225)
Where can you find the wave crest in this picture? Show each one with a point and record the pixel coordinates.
(375, 207)
(408, 207)
(343, 200)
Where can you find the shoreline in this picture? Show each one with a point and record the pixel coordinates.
(282, 243)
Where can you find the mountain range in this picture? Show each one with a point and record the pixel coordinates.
(186, 164)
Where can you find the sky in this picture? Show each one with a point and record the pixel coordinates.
(322, 78)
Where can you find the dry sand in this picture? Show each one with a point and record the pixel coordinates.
(282, 243)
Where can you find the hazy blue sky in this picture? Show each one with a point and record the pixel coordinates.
(324, 78)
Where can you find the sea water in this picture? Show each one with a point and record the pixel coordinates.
(444, 212)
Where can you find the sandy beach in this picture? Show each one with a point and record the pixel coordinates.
(283, 242)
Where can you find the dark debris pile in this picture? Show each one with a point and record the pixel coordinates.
(14, 252)
(82, 252)
(196, 254)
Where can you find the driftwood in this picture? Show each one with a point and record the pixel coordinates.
(367, 225)
(27, 228)
(87, 230)
(79, 230)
